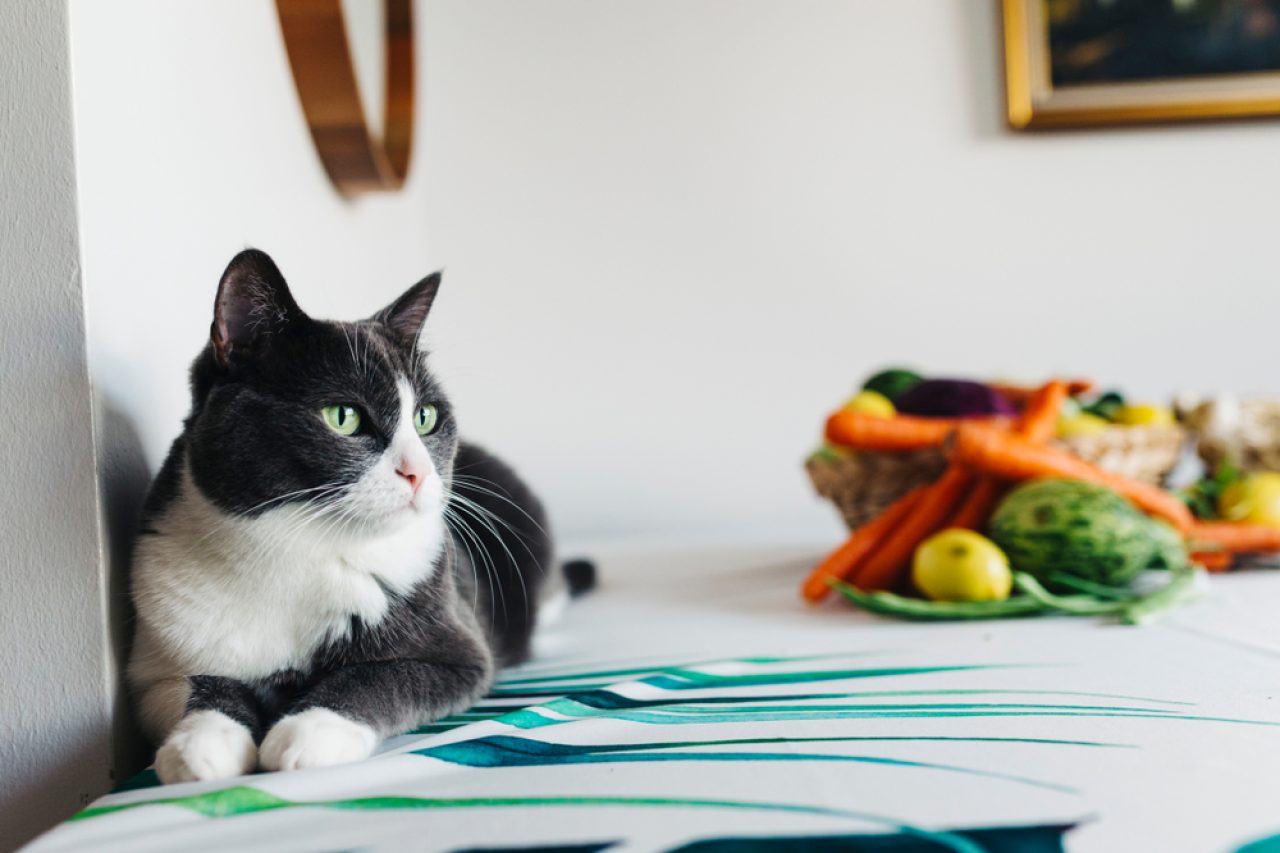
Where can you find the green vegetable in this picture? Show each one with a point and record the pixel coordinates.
(1202, 496)
(1097, 590)
(1146, 609)
(1107, 406)
(1076, 605)
(1139, 610)
(1035, 600)
(1170, 548)
(889, 604)
(893, 382)
(1053, 526)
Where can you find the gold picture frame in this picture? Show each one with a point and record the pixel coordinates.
(1034, 101)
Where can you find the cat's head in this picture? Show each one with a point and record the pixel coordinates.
(340, 420)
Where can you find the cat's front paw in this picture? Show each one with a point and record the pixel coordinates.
(316, 738)
(206, 745)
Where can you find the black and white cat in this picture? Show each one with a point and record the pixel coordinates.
(321, 561)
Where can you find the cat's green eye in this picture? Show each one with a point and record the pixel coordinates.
(425, 419)
(342, 419)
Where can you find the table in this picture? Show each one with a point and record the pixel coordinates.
(693, 698)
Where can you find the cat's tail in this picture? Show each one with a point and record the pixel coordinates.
(579, 576)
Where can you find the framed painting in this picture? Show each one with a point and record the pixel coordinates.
(1089, 62)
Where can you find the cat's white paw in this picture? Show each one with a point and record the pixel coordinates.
(316, 738)
(206, 745)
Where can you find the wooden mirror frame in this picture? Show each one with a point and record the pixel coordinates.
(315, 39)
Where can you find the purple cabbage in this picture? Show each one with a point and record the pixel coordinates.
(952, 398)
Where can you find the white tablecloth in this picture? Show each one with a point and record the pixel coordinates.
(693, 697)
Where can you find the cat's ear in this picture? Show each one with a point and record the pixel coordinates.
(253, 303)
(406, 315)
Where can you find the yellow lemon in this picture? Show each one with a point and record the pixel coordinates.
(1145, 414)
(960, 565)
(1083, 423)
(1255, 499)
(871, 403)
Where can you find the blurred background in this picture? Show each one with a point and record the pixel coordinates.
(674, 234)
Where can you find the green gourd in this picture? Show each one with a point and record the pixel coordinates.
(1053, 527)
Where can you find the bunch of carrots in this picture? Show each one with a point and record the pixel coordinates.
(986, 456)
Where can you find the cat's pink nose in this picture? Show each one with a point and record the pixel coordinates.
(412, 473)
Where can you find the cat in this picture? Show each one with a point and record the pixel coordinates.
(321, 562)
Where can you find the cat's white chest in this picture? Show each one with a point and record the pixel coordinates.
(245, 598)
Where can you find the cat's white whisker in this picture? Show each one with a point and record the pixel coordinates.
(480, 516)
(516, 534)
(472, 483)
(491, 570)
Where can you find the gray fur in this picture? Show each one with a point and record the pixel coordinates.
(415, 642)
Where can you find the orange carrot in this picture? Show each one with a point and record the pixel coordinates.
(1020, 394)
(978, 505)
(842, 562)
(1213, 561)
(1037, 424)
(1233, 537)
(999, 453)
(861, 431)
(884, 567)
(1040, 418)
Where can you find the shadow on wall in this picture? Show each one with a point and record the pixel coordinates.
(123, 479)
(27, 811)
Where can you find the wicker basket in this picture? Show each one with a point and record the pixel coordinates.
(862, 485)
(1244, 432)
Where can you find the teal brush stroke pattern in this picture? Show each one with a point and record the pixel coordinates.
(532, 718)
(242, 800)
(615, 672)
(501, 751)
(689, 679)
(490, 708)
(571, 708)
(446, 725)
(1270, 844)
(747, 741)
(1004, 839)
(607, 700)
(607, 703)
(610, 699)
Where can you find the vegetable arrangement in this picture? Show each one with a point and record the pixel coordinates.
(1237, 514)
(1130, 609)
(1063, 535)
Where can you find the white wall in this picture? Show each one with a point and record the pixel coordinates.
(676, 232)
(55, 724)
